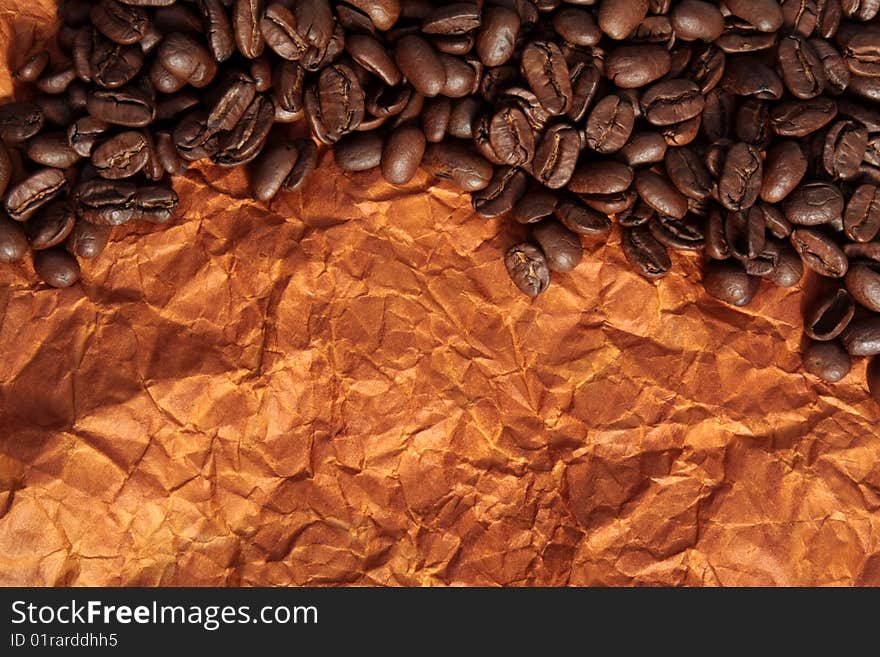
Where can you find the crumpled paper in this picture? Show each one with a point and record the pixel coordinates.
(343, 387)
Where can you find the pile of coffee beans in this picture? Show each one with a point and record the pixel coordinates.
(743, 130)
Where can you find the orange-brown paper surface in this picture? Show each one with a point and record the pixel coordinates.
(343, 387)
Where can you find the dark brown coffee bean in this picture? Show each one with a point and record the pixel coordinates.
(802, 70)
(496, 39)
(304, 167)
(528, 268)
(402, 153)
(87, 240)
(834, 68)
(620, 18)
(218, 28)
(246, 15)
(261, 73)
(819, 252)
(585, 81)
(577, 26)
(19, 121)
(511, 137)
(660, 194)
(13, 241)
(775, 221)
(187, 59)
(716, 240)
(811, 204)
(562, 247)
(630, 67)
(454, 18)
(127, 107)
(463, 117)
(789, 268)
(827, 361)
(745, 233)
(688, 173)
(845, 146)
(121, 156)
(728, 281)
(765, 15)
(51, 226)
(535, 205)
(372, 55)
(693, 20)
(421, 64)
(335, 105)
(610, 124)
(435, 118)
(458, 162)
(51, 149)
(581, 219)
(119, 22)
(528, 104)
(279, 29)
(644, 148)
(862, 337)
(753, 123)
(167, 156)
(644, 253)
(681, 235)
(33, 67)
(784, 168)
(862, 217)
(601, 177)
(244, 142)
(615, 204)
(56, 268)
(547, 73)
(672, 101)
(740, 180)
(749, 76)
(505, 189)
(863, 282)
(798, 118)
(233, 99)
(105, 202)
(272, 168)
(32, 193)
(829, 315)
(155, 204)
(556, 156)
(718, 115)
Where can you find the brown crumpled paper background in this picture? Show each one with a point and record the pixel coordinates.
(345, 388)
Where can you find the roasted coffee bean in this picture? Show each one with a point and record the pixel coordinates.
(562, 247)
(511, 137)
(457, 162)
(609, 125)
(193, 140)
(505, 189)
(246, 16)
(672, 101)
(105, 202)
(845, 146)
(630, 67)
(799, 118)
(155, 204)
(660, 194)
(528, 268)
(834, 68)
(644, 253)
(740, 180)
(535, 205)
(462, 76)
(454, 18)
(233, 100)
(87, 240)
(51, 149)
(753, 123)
(122, 23)
(802, 70)
(187, 59)
(693, 20)
(402, 153)
(435, 118)
(13, 241)
(620, 18)
(601, 177)
(716, 240)
(811, 204)
(644, 148)
(718, 115)
(51, 226)
(32, 193)
(420, 64)
(827, 361)
(789, 268)
(862, 337)
(463, 117)
(19, 121)
(126, 107)
(496, 38)
(56, 82)
(33, 67)
(784, 168)
(56, 268)
(547, 73)
(687, 172)
(121, 156)
(360, 151)
(775, 221)
(581, 219)
(177, 17)
(218, 29)
(728, 281)
(863, 282)
(577, 26)
(556, 156)
(765, 15)
(749, 76)
(279, 30)
(528, 104)
(304, 167)
(245, 141)
(861, 220)
(682, 235)
(167, 155)
(829, 315)
(111, 65)
(335, 105)
(372, 55)
(612, 204)
(819, 252)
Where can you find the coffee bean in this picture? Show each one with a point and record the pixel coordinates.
(693, 20)
(218, 28)
(496, 39)
(688, 173)
(660, 194)
(33, 67)
(535, 205)
(845, 146)
(556, 156)
(863, 282)
(561, 246)
(784, 168)
(32, 193)
(51, 149)
(420, 64)
(528, 268)
(620, 18)
(335, 105)
(456, 162)
(56, 268)
(126, 107)
(245, 141)
(764, 15)
(829, 315)
(511, 137)
(105, 202)
(862, 217)
(749, 76)
(577, 26)
(827, 361)
(121, 156)
(812, 204)
(644, 148)
(630, 67)
(402, 153)
(819, 252)
(740, 180)
(745, 233)
(802, 70)
(602, 177)
(799, 118)
(789, 268)
(505, 189)
(680, 234)
(862, 337)
(51, 226)
(644, 253)
(547, 73)
(122, 23)
(581, 219)
(154, 203)
(672, 101)
(13, 241)
(19, 121)
(88, 240)
(728, 281)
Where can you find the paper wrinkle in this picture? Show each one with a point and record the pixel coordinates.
(343, 387)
